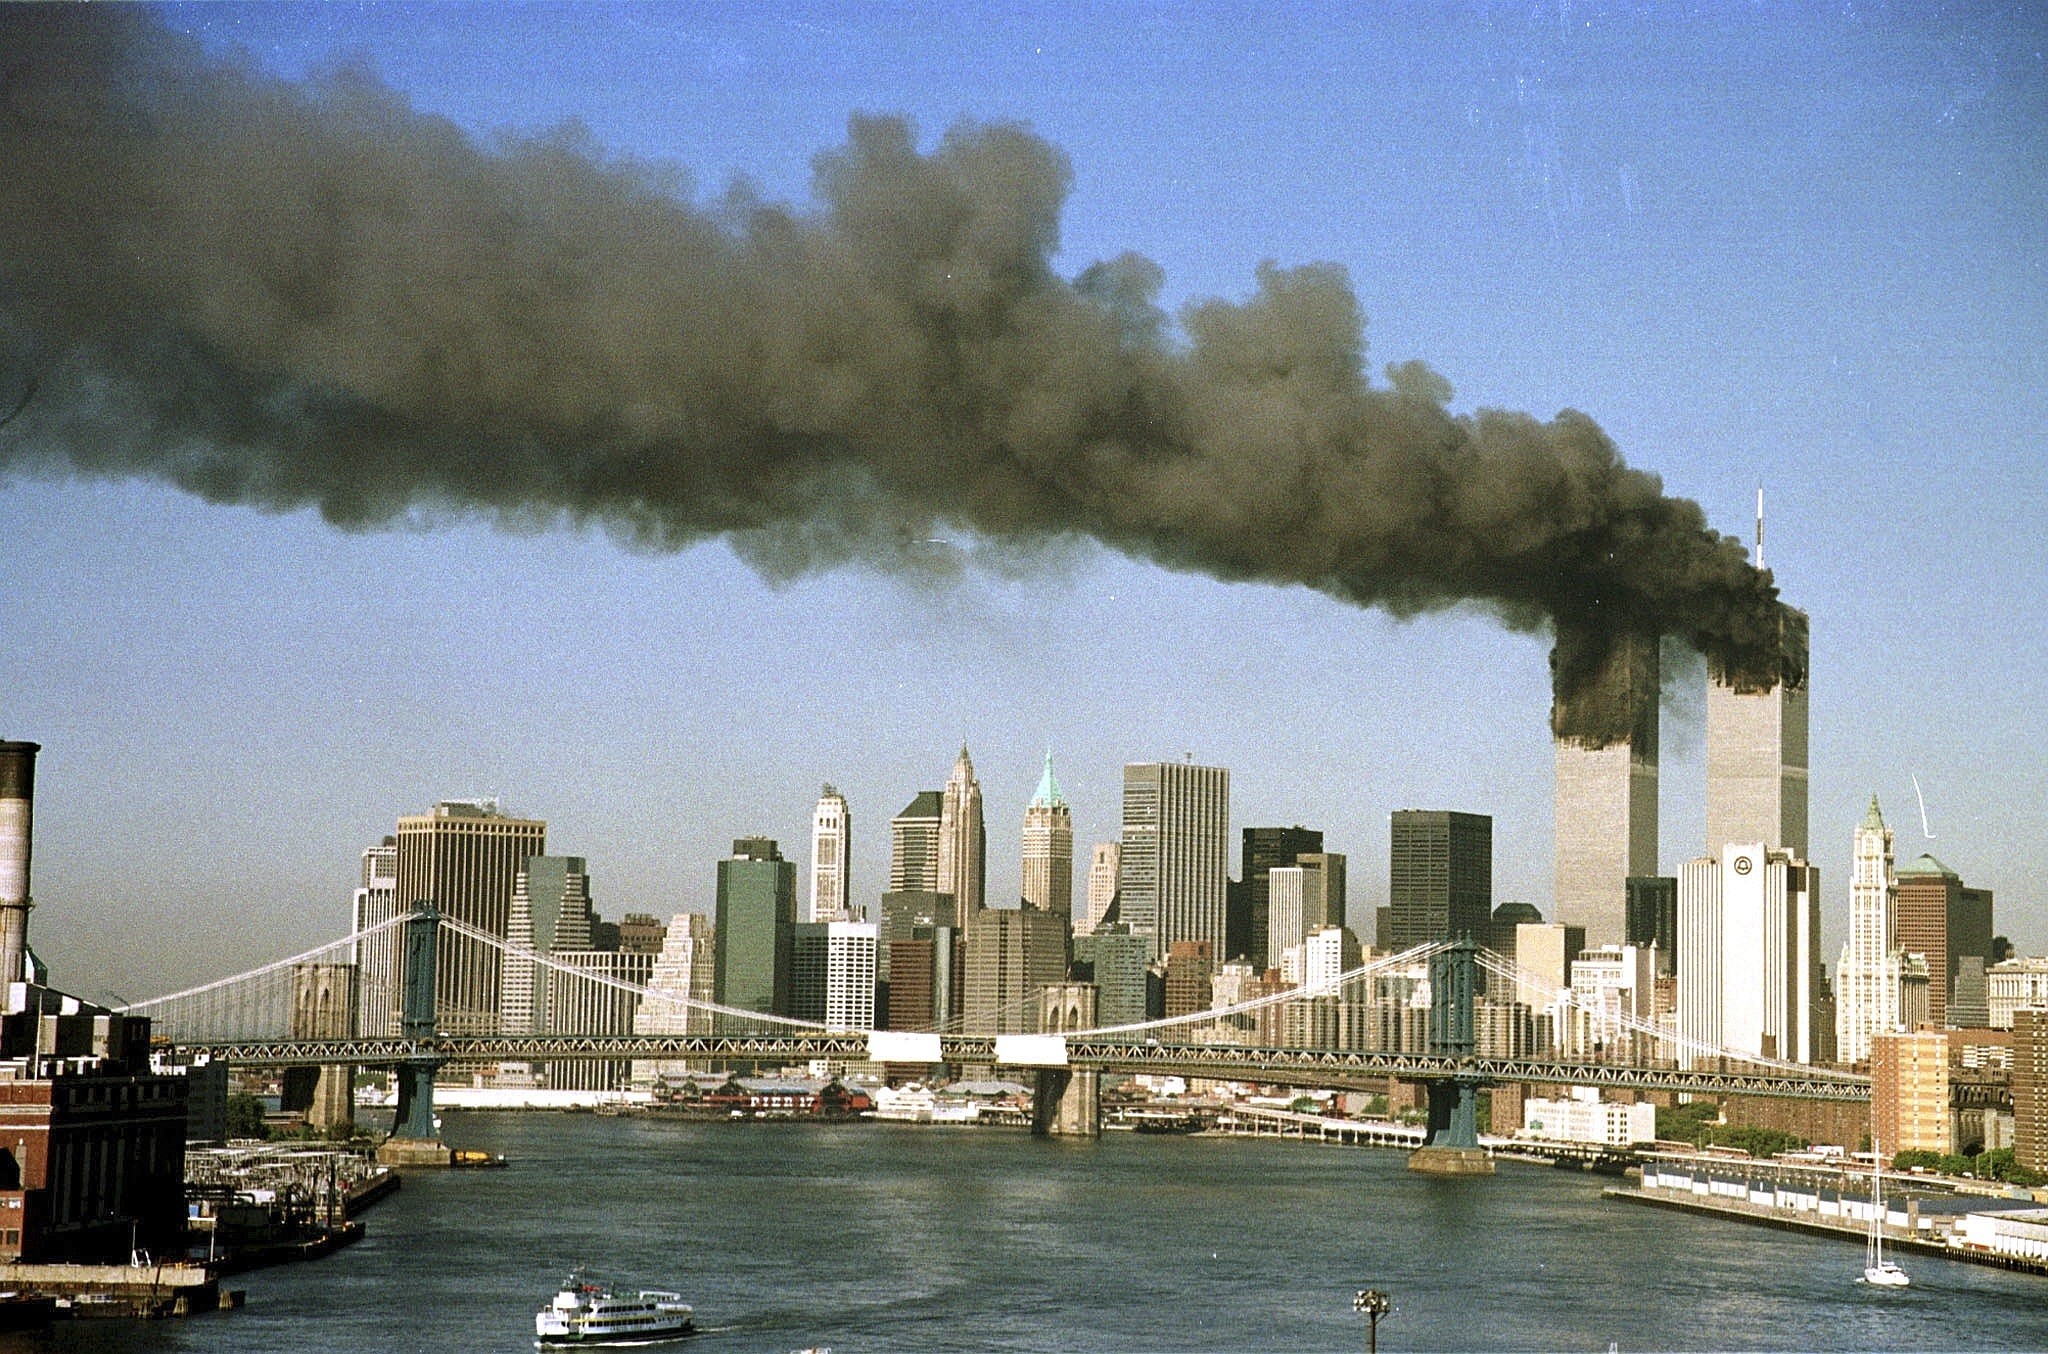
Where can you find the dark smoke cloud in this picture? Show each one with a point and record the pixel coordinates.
(284, 294)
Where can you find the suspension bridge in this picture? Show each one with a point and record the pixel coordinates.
(1451, 1015)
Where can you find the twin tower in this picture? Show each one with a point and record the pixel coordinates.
(1606, 801)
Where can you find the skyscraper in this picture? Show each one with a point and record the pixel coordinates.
(550, 913)
(1012, 953)
(1749, 928)
(755, 916)
(1102, 873)
(1174, 865)
(1440, 876)
(1606, 800)
(1261, 850)
(1756, 757)
(1653, 918)
(465, 856)
(1937, 916)
(831, 848)
(914, 845)
(683, 972)
(1868, 978)
(1048, 882)
(963, 841)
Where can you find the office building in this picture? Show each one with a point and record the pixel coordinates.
(1048, 883)
(375, 902)
(831, 850)
(1749, 928)
(1102, 871)
(832, 974)
(1262, 850)
(1190, 976)
(914, 845)
(550, 912)
(1117, 962)
(1012, 953)
(465, 856)
(1909, 1093)
(1757, 755)
(1652, 920)
(963, 841)
(1936, 916)
(1544, 953)
(1606, 799)
(1173, 867)
(1440, 876)
(2015, 985)
(756, 912)
(1286, 918)
(592, 991)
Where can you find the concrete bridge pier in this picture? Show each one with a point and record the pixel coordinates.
(415, 1140)
(1068, 1103)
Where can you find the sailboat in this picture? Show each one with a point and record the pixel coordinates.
(1876, 1269)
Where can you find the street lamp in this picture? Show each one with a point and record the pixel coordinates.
(1374, 1304)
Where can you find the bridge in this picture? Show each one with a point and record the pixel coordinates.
(1451, 1016)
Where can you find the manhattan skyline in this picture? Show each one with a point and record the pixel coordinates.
(1795, 250)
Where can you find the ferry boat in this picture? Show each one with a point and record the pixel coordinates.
(586, 1312)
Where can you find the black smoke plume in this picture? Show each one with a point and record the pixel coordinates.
(284, 294)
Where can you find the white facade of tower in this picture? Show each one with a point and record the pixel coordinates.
(1871, 976)
(1749, 935)
(1757, 776)
(684, 972)
(1286, 907)
(1606, 802)
(963, 841)
(375, 902)
(831, 845)
(1174, 867)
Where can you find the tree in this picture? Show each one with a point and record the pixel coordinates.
(245, 1117)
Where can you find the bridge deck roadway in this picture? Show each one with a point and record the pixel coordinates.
(1224, 1062)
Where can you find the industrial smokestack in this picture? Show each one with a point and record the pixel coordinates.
(17, 813)
(291, 294)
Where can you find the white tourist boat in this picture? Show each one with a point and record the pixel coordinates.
(586, 1312)
(1876, 1269)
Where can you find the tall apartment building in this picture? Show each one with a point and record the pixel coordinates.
(755, 917)
(2030, 1088)
(1606, 798)
(1757, 774)
(1937, 916)
(914, 845)
(963, 841)
(374, 902)
(1262, 850)
(831, 849)
(1749, 927)
(1909, 1093)
(1173, 868)
(1048, 883)
(832, 973)
(1870, 977)
(465, 856)
(1102, 872)
(1440, 876)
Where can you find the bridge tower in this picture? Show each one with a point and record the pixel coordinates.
(1453, 1145)
(1068, 1102)
(414, 1140)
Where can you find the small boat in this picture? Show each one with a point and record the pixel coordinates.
(1876, 1269)
(587, 1312)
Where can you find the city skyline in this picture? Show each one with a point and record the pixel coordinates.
(1826, 289)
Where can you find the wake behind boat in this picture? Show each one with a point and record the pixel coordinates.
(586, 1312)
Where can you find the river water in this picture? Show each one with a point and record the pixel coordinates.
(873, 1237)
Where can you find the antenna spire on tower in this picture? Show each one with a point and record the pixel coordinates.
(1759, 526)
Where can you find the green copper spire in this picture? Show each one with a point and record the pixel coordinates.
(1874, 820)
(1048, 788)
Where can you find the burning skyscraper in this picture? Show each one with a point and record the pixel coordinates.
(1606, 800)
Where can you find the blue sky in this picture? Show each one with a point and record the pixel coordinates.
(1801, 246)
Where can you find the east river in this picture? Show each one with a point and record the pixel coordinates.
(871, 1237)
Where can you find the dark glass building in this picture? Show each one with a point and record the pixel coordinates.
(1440, 882)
